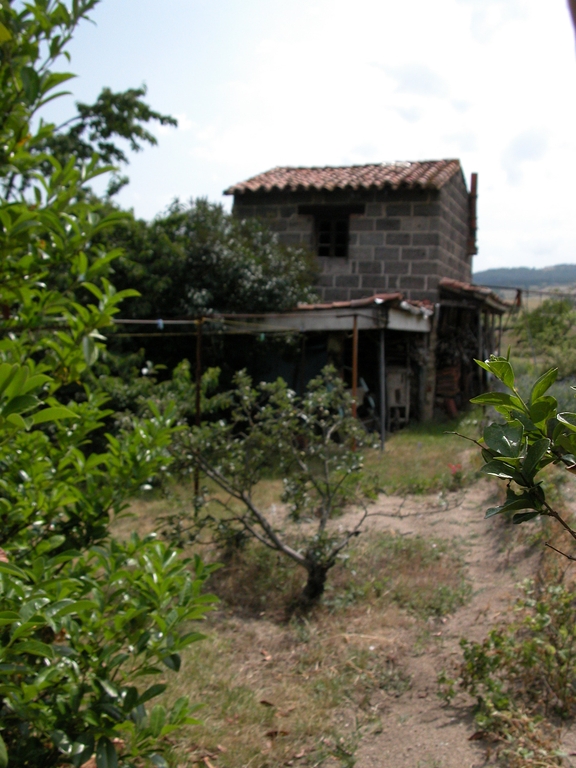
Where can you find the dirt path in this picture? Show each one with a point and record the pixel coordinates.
(418, 731)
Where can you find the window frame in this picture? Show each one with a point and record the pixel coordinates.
(333, 216)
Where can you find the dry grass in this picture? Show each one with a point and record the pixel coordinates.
(303, 691)
(424, 458)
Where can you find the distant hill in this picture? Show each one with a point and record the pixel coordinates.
(527, 277)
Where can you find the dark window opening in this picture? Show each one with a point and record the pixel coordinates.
(331, 227)
(332, 237)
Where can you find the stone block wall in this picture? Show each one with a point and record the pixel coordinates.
(405, 240)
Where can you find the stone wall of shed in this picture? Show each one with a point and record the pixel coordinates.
(406, 240)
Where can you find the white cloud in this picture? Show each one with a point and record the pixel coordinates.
(418, 79)
(410, 114)
(266, 83)
(530, 145)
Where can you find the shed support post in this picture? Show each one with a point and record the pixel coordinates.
(480, 352)
(382, 383)
(355, 366)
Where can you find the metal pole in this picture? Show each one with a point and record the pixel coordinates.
(480, 351)
(198, 393)
(354, 365)
(382, 382)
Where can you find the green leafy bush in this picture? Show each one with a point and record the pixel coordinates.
(524, 673)
(533, 435)
(85, 622)
(548, 331)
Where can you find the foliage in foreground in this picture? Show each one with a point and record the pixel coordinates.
(86, 623)
(524, 673)
(312, 442)
(532, 436)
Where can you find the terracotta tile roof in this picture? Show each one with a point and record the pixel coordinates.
(478, 292)
(428, 174)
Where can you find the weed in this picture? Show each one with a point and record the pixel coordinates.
(523, 674)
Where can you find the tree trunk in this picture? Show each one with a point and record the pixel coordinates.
(314, 588)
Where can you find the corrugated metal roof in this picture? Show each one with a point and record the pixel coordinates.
(379, 298)
(427, 174)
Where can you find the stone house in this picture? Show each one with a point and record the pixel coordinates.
(374, 228)
(394, 245)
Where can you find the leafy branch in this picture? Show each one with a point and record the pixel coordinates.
(534, 435)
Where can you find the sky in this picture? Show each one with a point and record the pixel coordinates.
(256, 84)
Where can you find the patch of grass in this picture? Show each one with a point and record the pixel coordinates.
(303, 692)
(256, 581)
(423, 576)
(423, 458)
(277, 700)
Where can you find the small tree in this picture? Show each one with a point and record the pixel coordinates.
(197, 259)
(312, 443)
(532, 435)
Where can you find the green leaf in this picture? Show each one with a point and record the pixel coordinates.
(152, 692)
(82, 749)
(130, 698)
(505, 439)
(106, 756)
(173, 661)
(12, 570)
(543, 409)
(7, 373)
(180, 709)
(523, 517)
(89, 350)
(563, 417)
(109, 688)
(513, 502)
(534, 455)
(17, 421)
(36, 648)
(527, 423)
(543, 384)
(4, 37)
(30, 83)
(3, 750)
(497, 398)
(53, 413)
(502, 369)
(500, 469)
(20, 404)
(157, 719)
(484, 365)
(8, 617)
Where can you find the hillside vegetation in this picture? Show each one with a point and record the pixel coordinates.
(528, 277)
